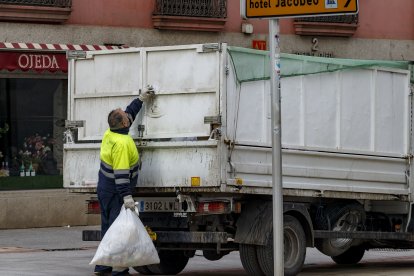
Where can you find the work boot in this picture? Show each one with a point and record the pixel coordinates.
(102, 270)
(102, 273)
(120, 272)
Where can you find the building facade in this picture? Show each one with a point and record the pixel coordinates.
(35, 35)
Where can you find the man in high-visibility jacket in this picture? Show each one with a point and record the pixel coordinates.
(118, 174)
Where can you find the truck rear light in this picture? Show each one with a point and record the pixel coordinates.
(213, 207)
(93, 207)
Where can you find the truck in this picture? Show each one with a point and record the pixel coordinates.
(205, 178)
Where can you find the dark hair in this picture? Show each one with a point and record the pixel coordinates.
(115, 119)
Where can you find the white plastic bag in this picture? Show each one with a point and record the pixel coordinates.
(126, 243)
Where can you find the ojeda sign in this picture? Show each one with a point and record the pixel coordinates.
(34, 61)
(37, 61)
(297, 8)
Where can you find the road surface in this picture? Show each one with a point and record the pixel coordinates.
(60, 251)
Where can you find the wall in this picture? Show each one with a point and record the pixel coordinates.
(43, 208)
(385, 19)
(378, 19)
(386, 30)
(120, 13)
(138, 14)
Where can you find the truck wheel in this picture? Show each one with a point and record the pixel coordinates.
(352, 256)
(248, 257)
(143, 270)
(171, 262)
(294, 240)
(349, 217)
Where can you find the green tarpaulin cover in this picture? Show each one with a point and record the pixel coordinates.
(252, 65)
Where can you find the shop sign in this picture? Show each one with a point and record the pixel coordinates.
(259, 44)
(40, 62)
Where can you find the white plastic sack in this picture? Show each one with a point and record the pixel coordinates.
(126, 243)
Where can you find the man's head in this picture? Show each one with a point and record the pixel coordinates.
(118, 119)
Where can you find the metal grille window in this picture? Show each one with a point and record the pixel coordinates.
(192, 8)
(340, 25)
(347, 19)
(45, 3)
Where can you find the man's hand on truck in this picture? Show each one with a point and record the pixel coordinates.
(147, 94)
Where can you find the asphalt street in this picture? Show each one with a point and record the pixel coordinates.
(61, 251)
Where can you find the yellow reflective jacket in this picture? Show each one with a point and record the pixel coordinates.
(119, 163)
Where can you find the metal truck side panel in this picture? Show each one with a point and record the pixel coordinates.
(320, 171)
(164, 164)
(186, 81)
(99, 84)
(346, 131)
(81, 163)
(361, 110)
(184, 164)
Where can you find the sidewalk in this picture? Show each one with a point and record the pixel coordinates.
(44, 208)
(57, 251)
(54, 238)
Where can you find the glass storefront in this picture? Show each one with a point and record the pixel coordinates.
(32, 115)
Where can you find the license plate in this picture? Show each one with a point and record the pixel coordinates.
(163, 205)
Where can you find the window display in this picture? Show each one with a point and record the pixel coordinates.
(32, 112)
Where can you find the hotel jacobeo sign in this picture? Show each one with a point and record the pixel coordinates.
(297, 8)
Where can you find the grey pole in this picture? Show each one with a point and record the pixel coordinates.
(276, 148)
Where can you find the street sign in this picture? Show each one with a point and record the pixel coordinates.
(274, 9)
(296, 8)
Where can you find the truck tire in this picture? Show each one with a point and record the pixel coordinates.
(248, 257)
(352, 256)
(294, 249)
(341, 217)
(143, 270)
(171, 262)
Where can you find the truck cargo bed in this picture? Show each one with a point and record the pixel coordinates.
(345, 134)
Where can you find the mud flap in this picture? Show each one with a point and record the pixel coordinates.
(255, 223)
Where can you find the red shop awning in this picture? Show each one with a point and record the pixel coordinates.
(40, 57)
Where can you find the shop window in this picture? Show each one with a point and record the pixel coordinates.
(31, 129)
(202, 15)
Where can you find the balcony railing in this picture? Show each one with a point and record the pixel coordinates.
(347, 19)
(196, 8)
(35, 11)
(201, 15)
(46, 3)
(339, 25)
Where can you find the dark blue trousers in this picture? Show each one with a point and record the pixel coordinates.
(110, 204)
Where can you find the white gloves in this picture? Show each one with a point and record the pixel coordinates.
(147, 94)
(129, 203)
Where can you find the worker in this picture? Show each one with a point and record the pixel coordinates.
(118, 173)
